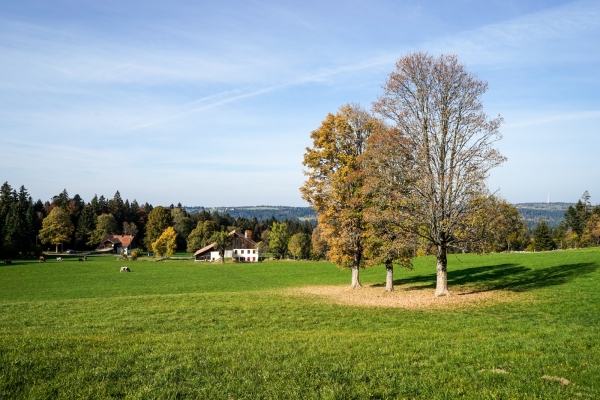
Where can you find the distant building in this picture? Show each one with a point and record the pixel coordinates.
(242, 248)
(116, 243)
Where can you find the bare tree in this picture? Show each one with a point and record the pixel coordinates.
(435, 104)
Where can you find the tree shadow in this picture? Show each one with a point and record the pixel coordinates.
(512, 277)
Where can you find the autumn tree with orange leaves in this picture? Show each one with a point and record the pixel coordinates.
(334, 184)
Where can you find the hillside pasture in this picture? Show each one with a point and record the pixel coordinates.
(179, 329)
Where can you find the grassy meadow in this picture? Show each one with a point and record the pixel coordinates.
(179, 329)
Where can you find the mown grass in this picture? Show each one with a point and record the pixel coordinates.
(179, 329)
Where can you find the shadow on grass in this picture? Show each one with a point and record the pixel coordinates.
(504, 276)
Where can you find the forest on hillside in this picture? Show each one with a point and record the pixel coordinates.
(261, 213)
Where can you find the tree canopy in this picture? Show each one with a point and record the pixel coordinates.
(333, 187)
(446, 142)
(56, 227)
(166, 244)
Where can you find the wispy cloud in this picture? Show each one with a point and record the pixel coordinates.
(231, 96)
(553, 117)
(536, 37)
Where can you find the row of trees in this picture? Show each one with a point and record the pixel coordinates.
(72, 223)
(409, 174)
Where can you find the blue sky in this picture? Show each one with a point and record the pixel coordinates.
(212, 103)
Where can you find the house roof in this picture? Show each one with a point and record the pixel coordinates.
(124, 240)
(243, 237)
(202, 250)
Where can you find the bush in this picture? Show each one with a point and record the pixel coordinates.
(135, 254)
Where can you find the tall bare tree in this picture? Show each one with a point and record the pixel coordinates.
(435, 104)
(333, 187)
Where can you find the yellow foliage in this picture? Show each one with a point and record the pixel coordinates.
(166, 244)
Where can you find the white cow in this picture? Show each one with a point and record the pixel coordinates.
(125, 269)
(58, 258)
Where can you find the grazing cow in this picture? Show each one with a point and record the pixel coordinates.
(7, 262)
(58, 258)
(42, 259)
(125, 269)
(80, 260)
(84, 258)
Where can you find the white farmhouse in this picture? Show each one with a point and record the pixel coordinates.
(242, 248)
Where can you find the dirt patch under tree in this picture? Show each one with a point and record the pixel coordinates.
(376, 296)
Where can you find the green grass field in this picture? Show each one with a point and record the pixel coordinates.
(180, 329)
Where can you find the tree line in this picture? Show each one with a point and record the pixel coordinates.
(580, 227)
(29, 227)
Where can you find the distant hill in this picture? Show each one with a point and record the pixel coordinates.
(262, 213)
(533, 213)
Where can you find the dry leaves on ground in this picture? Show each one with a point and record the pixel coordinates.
(376, 296)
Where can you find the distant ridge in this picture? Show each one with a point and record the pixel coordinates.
(532, 213)
(262, 212)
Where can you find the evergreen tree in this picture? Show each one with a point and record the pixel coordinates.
(134, 209)
(116, 207)
(61, 200)
(85, 227)
(34, 224)
(16, 230)
(542, 238)
(127, 216)
(7, 198)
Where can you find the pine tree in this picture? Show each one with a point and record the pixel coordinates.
(116, 207)
(542, 238)
(62, 199)
(16, 231)
(85, 227)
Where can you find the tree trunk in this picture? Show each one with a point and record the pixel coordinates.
(355, 281)
(389, 277)
(355, 269)
(56, 249)
(222, 258)
(441, 288)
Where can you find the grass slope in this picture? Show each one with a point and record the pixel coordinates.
(181, 329)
